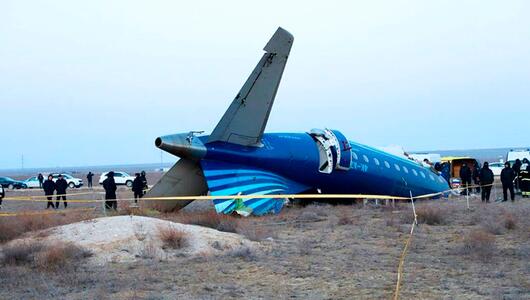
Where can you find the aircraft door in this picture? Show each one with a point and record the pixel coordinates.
(344, 150)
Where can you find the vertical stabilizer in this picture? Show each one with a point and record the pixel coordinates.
(246, 118)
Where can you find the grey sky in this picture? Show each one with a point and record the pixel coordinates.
(95, 82)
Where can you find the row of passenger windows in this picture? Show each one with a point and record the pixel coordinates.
(396, 166)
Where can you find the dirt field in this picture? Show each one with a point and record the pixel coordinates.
(312, 252)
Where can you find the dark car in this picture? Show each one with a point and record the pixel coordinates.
(11, 183)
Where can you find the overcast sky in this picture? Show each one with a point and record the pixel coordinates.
(95, 82)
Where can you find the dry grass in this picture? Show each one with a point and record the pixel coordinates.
(60, 255)
(21, 253)
(430, 214)
(479, 243)
(510, 221)
(209, 219)
(16, 226)
(52, 257)
(172, 238)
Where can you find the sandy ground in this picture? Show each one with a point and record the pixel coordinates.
(319, 252)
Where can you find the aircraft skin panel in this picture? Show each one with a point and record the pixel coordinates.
(245, 120)
(238, 181)
(295, 157)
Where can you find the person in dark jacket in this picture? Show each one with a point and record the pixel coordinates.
(476, 176)
(517, 170)
(61, 185)
(507, 177)
(2, 195)
(40, 178)
(49, 188)
(486, 182)
(138, 187)
(144, 180)
(89, 177)
(110, 191)
(465, 176)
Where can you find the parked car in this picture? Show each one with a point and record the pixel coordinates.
(32, 182)
(72, 181)
(11, 183)
(121, 178)
(496, 167)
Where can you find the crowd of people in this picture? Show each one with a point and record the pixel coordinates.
(513, 178)
(58, 188)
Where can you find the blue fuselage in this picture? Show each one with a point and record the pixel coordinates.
(296, 156)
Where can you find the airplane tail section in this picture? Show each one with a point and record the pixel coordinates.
(185, 178)
(245, 120)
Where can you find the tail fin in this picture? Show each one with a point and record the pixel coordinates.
(245, 120)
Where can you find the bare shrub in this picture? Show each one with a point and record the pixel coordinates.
(493, 226)
(21, 253)
(308, 216)
(243, 252)
(431, 215)
(344, 219)
(148, 251)
(61, 255)
(172, 238)
(479, 242)
(510, 221)
(255, 232)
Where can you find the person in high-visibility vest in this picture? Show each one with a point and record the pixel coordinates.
(524, 177)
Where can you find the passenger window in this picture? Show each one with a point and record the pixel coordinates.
(405, 169)
(366, 158)
(397, 167)
(387, 164)
(432, 177)
(354, 155)
(376, 161)
(422, 174)
(414, 172)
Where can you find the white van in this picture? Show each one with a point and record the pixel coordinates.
(512, 155)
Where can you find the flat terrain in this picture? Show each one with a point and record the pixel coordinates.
(311, 252)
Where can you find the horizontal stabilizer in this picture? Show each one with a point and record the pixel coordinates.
(245, 120)
(225, 179)
(185, 178)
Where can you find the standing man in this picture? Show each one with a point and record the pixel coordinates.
(49, 188)
(41, 179)
(138, 187)
(2, 195)
(465, 176)
(517, 170)
(507, 177)
(89, 179)
(486, 181)
(61, 185)
(476, 176)
(525, 181)
(110, 191)
(144, 180)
